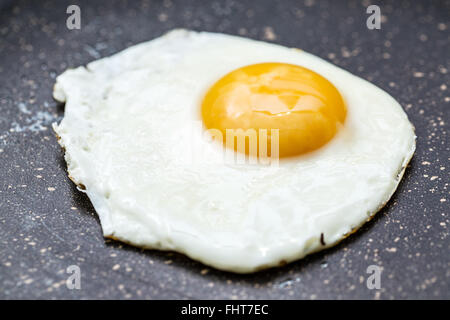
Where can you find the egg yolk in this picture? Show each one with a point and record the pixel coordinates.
(304, 107)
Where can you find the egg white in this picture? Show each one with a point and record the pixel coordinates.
(128, 146)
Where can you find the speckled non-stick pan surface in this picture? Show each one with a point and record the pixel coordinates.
(46, 225)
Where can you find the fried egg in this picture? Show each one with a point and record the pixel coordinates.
(146, 134)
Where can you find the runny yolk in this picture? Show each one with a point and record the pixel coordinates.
(305, 107)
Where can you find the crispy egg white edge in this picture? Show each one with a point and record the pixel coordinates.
(74, 160)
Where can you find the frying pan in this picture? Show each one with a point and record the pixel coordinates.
(46, 225)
